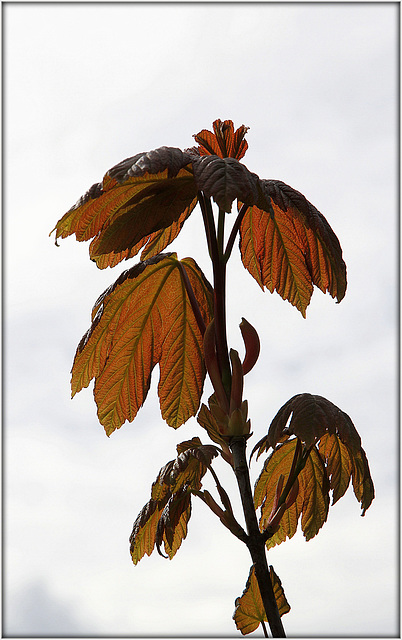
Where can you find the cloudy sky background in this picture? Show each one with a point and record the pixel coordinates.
(87, 85)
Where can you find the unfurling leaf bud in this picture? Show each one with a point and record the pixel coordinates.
(212, 365)
(236, 394)
(251, 343)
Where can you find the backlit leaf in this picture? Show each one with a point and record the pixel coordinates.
(250, 612)
(137, 198)
(164, 519)
(143, 536)
(225, 180)
(336, 457)
(291, 249)
(314, 418)
(143, 319)
(172, 525)
(191, 464)
(224, 142)
(310, 417)
(279, 463)
(312, 502)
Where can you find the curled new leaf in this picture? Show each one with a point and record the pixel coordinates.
(250, 612)
(292, 248)
(164, 519)
(224, 142)
(143, 319)
(172, 525)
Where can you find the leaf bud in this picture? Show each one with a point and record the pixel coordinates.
(251, 343)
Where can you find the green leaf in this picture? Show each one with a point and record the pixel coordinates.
(143, 319)
(250, 612)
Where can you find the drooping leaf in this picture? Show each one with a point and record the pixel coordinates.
(164, 519)
(143, 319)
(292, 248)
(250, 612)
(312, 502)
(151, 245)
(314, 418)
(191, 464)
(172, 525)
(224, 142)
(310, 417)
(143, 536)
(336, 457)
(137, 198)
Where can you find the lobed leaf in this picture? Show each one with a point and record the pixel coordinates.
(224, 142)
(138, 198)
(250, 612)
(292, 247)
(172, 525)
(143, 535)
(143, 319)
(164, 519)
(310, 417)
(333, 457)
(312, 502)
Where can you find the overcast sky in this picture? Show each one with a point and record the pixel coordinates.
(87, 85)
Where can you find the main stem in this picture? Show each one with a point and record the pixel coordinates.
(255, 541)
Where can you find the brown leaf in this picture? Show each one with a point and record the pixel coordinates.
(311, 417)
(250, 612)
(143, 319)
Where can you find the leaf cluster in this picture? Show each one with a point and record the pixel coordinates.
(329, 458)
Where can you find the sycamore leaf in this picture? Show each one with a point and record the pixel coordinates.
(143, 536)
(334, 457)
(316, 420)
(165, 517)
(250, 612)
(224, 142)
(143, 319)
(137, 198)
(151, 245)
(172, 525)
(310, 417)
(312, 502)
(191, 464)
(292, 248)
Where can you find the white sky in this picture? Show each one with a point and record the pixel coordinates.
(87, 85)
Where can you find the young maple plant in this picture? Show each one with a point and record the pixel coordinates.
(164, 311)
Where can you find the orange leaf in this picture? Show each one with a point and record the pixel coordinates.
(250, 612)
(143, 319)
(291, 249)
(137, 198)
(225, 142)
(143, 536)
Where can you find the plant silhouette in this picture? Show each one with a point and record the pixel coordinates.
(164, 311)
